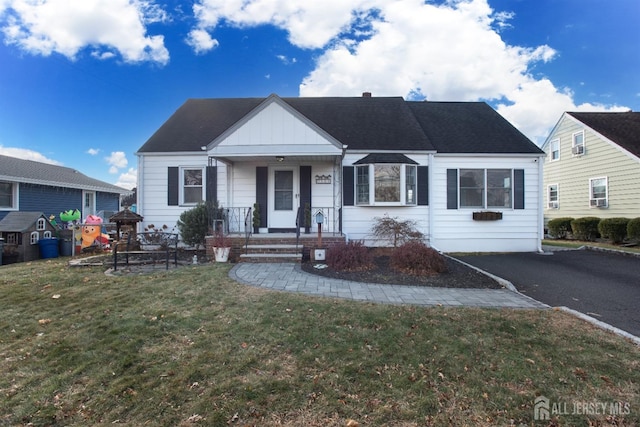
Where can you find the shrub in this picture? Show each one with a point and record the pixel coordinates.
(395, 231)
(559, 227)
(194, 223)
(585, 228)
(349, 256)
(417, 259)
(614, 229)
(633, 229)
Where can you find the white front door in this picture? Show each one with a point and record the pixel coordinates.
(283, 197)
(89, 204)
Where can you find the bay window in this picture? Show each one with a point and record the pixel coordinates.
(386, 184)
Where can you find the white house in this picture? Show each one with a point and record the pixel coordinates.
(353, 159)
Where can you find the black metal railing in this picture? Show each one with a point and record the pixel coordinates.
(298, 227)
(247, 230)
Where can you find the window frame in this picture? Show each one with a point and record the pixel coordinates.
(550, 200)
(484, 188)
(582, 144)
(40, 224)
(34, 237)
(14, 196)
(554, 148)
(183, 186)
(593, 201)
(365, 184)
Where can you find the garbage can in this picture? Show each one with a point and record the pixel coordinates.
(66, 247)
(48, 247)
(1, 249)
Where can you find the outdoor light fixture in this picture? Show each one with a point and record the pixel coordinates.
(280, 158)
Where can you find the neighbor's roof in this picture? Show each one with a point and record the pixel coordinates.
(621, 128)
(361, 123)
(28, 171)
(19, 222)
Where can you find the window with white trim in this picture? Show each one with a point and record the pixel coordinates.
(486, 188)
(40, 224)
(46, 234)
(552, 197)
(192, 188)
(598, 192)
(554, 150)
(8, 196)
(386, 184)
(34, 237)
(577, 144)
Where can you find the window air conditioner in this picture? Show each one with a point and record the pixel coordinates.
(577, 150)
(598, 203)
(553, 205)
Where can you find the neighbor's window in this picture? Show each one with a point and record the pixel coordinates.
(7, 195)
(577, 147)
(386, 184)
(598, 192)
(552, 196)
(486, 188)
(554, 148)
(192, 188)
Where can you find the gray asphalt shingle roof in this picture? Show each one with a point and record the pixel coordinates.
(19, 222)
(361, 123)
(19, 170)
(621, 128)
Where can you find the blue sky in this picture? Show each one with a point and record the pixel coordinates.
(84, 83)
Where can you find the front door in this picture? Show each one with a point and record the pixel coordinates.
(89, 204)
(283, 198)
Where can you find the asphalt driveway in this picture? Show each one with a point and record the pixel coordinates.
(603, 285)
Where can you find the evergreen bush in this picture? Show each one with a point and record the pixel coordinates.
(614, 229)
(633, 229)
(559, 227)
(585, 228)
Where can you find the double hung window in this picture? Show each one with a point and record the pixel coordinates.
(486, 188)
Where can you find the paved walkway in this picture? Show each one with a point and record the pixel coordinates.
(289, 277)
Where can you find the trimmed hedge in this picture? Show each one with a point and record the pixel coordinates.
(633, 229)
(559, 227)
(350, 256)
(614, 229)
(585, 228)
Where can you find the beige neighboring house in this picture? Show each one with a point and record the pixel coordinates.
(592, 166)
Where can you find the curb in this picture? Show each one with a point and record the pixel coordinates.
(601, 324)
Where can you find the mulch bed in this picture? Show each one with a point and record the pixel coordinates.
(458, 276)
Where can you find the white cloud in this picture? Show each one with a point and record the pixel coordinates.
(117, 160)
(451, 51)
(128, 179)
(201, 41)
(286, 60)
(46, 26)
(93, 151)
(23, 153)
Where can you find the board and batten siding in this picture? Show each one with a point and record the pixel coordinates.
(572, 173)
(153, 198)
(454, 230)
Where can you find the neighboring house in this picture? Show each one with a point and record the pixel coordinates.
(26, 185)
(352, 159)
(21, 232)
(592, 167)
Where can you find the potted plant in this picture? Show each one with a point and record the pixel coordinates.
(221, 247)
(307, 218)
(256, 218)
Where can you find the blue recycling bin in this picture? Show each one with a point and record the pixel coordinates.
(48, 248)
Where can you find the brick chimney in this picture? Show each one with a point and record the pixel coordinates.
(366, 94)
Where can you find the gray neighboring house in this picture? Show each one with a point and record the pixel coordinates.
(29, 186)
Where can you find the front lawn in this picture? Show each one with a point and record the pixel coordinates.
(192, 347)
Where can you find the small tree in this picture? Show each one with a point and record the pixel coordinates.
(395, 231)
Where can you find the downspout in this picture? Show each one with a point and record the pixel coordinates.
(140, 189)
(540, 161)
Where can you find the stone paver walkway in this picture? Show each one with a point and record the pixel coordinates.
(289, 277)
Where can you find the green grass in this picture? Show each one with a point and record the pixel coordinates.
(577, 244)
(192, 347)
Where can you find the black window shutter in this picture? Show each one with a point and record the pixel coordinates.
(423, 185)
(518, 189)
(212, 184)
(452, 188)
(262, 193)
(173, 189)
(347, 185)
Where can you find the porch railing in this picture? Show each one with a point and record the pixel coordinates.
(238, 220)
